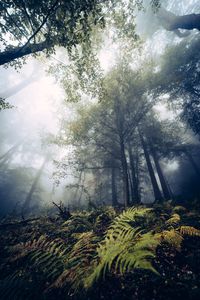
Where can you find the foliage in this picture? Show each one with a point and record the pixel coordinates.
(189, 230)
(124, 247)
(80, 261)
(46, 258)
(35, 26)
(178, 76)
(4, 104)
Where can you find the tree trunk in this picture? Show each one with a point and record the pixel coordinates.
(192, 161)
(19, 52)
(172, 22)
(156, 190)
(133, 177)
(8, 155)
(28, 199)
(132, 196)
(162, 179)
(114, 188)
(125, 176)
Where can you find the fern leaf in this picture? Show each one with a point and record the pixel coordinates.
(189, 230)
(172, 237)
(124, 247)
(174, 220)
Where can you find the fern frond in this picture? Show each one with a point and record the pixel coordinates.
(174, 220)
(172, 237)
(189, 230)
(179, 209)
(124, 247)
(132, 215)
(80, 261)
(78, 223)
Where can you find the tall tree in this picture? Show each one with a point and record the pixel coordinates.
(179, 78)
(28, 199)
(156, 190)
(165, 188)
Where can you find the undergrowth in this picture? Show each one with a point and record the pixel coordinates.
(103, 254)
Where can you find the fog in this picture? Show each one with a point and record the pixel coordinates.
(40, 114)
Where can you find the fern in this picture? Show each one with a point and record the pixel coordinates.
(189, 230)
(41, 260)
(78, 223)
(124, 247)
(172, 237)
(80, 261)
(179, 209)
(174, 220)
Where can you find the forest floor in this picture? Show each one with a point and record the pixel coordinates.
(138, 254)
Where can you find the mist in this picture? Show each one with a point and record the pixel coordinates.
(36, 119)
(100, 149)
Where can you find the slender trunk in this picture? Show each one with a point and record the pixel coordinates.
(119, 114)
(19, 52)
(8, 155)
(137, 177)
(133, 177)
(125, 175)
(192, 162)
(11, 150)
(28, 199)
(156, 190)
(162, 179)
(132, 196)
(114, 188)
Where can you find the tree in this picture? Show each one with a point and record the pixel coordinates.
(4, 104)
(14, 184)
(156, 190)
(161, 138)
(28, 199)
(8, 155)
(179, 77)
(105, 132)
(172, 22)
(42, 25)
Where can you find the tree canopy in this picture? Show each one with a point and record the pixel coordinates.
(29, 27)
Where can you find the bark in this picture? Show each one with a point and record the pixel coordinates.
(125, 176)
(156, 190)
(114, 188)
(119, 114)
(132, 196)
(18, 52)
(161, 176)
(172, 22)
(133, 177)
(28, 199)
